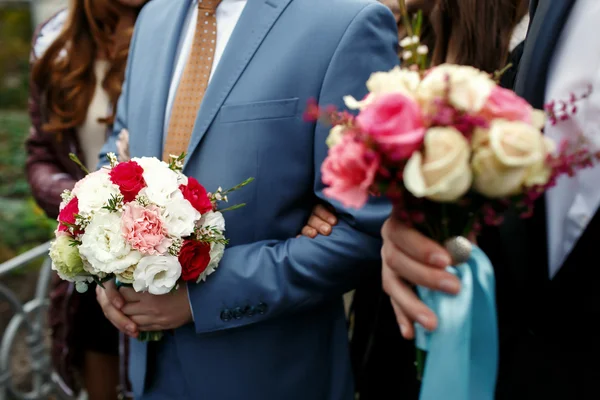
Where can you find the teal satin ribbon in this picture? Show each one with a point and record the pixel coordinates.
(462, 353)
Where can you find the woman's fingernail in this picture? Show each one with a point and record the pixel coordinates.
(118, 303)
(423, 319)
(130, 328)
(325, 229)
(449, 285)
(440, 260)
(332, 221)
(403, 330)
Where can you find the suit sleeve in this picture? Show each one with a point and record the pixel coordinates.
(268, 279)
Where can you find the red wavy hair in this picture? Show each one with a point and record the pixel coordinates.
(93, 29)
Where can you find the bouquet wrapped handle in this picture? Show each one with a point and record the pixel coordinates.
(462, 353)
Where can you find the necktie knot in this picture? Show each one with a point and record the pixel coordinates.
(208, 5)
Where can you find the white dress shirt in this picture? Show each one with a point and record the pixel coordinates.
(228, 14)
(575, 66)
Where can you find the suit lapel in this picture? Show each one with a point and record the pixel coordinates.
(255, 22)
(525, 241)
(166, 37)
(544, 32)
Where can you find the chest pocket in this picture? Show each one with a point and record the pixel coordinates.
(272, 109)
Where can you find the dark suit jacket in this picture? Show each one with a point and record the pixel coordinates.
(546, 351)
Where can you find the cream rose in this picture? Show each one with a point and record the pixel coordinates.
(335, 135)
(508, 157)
(443, 174)
(397, 80)
(468, 87)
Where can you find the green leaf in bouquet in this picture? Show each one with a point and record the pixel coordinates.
(237, 187)
(176, 162)
(232, 208)
(115, 203)
(77, 161)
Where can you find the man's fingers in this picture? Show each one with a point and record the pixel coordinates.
(417, 273)
(416, 245)
(407, 300)
(115, 316)
(130, 295)
(152, 328)
(406, 326)
(137, 308)
(309, 232)
(146, 322)
(323, 213)
(319, 224)
(113, 295)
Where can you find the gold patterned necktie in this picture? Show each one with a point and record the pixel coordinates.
(194, 81)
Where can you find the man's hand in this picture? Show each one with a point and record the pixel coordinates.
(158, 313)
(409, 258)
(112, 302)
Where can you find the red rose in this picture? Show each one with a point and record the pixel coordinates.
(194, 258)
(66, 217)
(195, 193)
(129, 177)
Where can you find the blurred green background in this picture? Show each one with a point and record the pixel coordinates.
(22, 224)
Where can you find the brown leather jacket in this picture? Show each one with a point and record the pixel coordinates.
(49, 169)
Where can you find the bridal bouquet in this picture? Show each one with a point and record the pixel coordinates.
(445, 141)
(141, 222)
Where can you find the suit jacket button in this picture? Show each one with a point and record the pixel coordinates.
(262, 308)
(225, 315)
(238, 313)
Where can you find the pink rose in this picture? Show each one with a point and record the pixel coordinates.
(395, 123)
(505, 104)
(144, 230)
(349, 171)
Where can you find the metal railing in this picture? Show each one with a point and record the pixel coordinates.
(28, 322)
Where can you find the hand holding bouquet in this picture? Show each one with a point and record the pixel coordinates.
(143, 223)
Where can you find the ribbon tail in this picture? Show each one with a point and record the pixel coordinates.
(462, 353)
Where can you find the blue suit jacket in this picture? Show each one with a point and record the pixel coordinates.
(269, 324)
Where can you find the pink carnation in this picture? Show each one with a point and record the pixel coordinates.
(395, 123)
(349, 170)
(144, 230)
(505, 104)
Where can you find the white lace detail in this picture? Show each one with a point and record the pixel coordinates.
(49, 33)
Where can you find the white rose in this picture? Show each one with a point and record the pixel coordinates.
(156, 274)
(104, 247)
(509, 157)
(94, 191)
(180, 217)
(468, 87)
(213, 219)
(397, 80)
(443, 174)
(162, 182)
